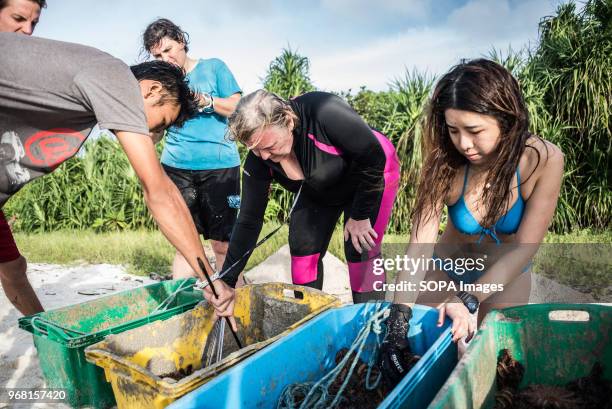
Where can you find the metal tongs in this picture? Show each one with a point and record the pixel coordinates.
(213, 351)
(214, 348)
(214, 344)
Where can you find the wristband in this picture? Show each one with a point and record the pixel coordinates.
(208, 108)
(469, 300)
(200, 285)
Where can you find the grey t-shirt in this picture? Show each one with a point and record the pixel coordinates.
(52, 94)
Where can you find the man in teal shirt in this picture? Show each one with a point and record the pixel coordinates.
(198, 157)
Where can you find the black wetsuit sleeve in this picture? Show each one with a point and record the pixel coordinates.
(256, 178)
(349, 132)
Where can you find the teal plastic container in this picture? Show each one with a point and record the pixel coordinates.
(61, 335)
(556, 343)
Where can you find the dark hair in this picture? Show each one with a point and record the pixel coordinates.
(159, 29)
(41, 3)
(484, 87)
(175, 85)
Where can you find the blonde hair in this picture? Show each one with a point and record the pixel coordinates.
(256, 111)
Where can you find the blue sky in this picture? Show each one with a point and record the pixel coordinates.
(350, 43)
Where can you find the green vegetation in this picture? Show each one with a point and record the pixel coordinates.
(76, 214)
(565, 80)
(568, 86)
(288, 75)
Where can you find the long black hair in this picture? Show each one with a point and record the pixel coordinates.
(175, 86)
(487, 88)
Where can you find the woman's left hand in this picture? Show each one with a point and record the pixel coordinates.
(361, 234)
(463, 322)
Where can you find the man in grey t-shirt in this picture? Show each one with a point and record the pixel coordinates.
(52, 93)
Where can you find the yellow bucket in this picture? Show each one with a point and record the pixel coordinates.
(153, 365)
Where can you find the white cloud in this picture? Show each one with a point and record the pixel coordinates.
(498, 19)
(471, 32)
(247, 35)
(367, 9)
(378, 63)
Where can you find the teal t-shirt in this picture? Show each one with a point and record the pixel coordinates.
(200, 144)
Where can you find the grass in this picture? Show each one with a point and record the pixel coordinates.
(581, 260)
(141, 251)
(581, 236)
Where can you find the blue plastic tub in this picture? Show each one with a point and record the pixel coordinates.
(308, 353)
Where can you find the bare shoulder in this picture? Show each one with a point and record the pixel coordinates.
(455, 188)
(540, 157)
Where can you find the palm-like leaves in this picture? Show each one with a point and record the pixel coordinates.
(571, 71)
(288, 75)
(565, 80)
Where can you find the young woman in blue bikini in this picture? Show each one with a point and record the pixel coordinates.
(500, 185)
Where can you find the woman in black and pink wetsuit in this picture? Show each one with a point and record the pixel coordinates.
(319, 143)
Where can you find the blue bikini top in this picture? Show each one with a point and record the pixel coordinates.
(464, 221)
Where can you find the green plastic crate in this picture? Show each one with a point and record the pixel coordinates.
(61, 335)
(553, 346)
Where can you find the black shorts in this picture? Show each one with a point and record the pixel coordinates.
(212, 196)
